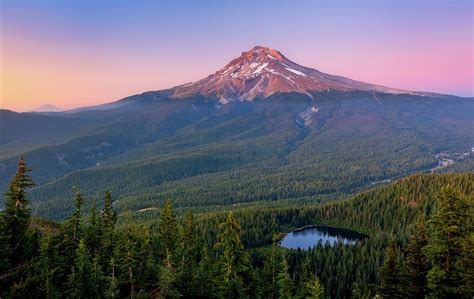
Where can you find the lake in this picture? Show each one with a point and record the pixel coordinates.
(308, 237)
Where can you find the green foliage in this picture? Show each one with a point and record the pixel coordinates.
(106, 226)
(269, 277)
(168, 232)
(16, 218)
(188, 258)
(128, 257)
(204, 275)
(285, 284)
(74, 222)
(314, 289)
(390, 277)
(416, 265)
(81, 283)
(112, 282)
(214, 256)
(233, 263)
(447, 249)
(167, 279)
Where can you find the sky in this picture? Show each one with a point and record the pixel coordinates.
(73, 53)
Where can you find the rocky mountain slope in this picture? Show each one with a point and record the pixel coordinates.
(261, 72)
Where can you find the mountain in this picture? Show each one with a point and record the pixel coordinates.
(262, 72)
(47, 108)
(241, 135)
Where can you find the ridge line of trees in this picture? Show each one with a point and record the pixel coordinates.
(94, 257)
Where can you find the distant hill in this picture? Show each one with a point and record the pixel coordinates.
(47, 108)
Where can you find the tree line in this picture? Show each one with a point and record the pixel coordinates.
(236, 255)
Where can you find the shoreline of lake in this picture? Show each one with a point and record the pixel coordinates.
(329, 232)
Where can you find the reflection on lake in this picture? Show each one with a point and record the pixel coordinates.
(308, 237)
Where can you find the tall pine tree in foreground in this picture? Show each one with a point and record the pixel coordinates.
(233, 262)
(16, 219)
(450, 247)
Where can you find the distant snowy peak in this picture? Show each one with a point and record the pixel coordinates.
(47, 108)
(261, 72)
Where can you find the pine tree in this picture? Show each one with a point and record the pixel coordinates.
(15, 219)
(269, 287)
(93, 231)
(50, 266)
(72, 231)
(146, 273)
(80, 280)
(315, 289)
(5, 248)
(166, 282)
(74, 222)
(204, 275)
(168, 234)
(127, 256)
(107, 220)
(108, 216)
(305, 274)
(390, 274)
(448, 249)
(233, 261)
(187, 265)
(416, 264)
(112, 291)
(97, 279)
(285, 284)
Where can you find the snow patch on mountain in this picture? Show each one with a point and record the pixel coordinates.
(307, 115)
(296, 72)
(260, 68)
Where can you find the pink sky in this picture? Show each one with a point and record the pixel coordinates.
(69, 56)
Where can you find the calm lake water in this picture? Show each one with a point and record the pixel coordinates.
(306, 238)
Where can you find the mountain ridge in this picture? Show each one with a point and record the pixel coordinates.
(47, 108)
(262, 71)
(258, 73)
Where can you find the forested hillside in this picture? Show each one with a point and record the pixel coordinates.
(420, 243)
(201, 154)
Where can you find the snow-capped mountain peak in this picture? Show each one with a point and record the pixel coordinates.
(262, 71)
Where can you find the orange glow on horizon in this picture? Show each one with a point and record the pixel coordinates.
(69, 56)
